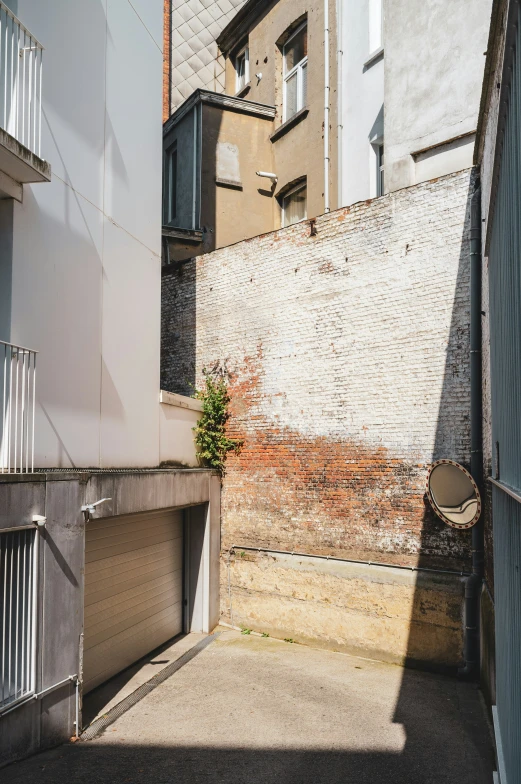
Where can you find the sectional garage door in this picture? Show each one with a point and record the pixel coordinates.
(133, 590)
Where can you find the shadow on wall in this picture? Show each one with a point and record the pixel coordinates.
(179, 276)
(452, 441)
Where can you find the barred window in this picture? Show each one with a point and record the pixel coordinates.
(18, 571)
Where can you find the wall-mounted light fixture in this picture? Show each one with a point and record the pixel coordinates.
(270, 175)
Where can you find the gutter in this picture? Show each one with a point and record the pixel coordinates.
(475, 581)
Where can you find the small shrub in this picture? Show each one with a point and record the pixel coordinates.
(245, 631)
(211, 440)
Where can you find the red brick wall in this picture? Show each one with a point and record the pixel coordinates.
(167, 42)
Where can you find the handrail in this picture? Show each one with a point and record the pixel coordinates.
(20, 24)
(18, 408)
(21, 57)
(512, 492)
(20, 348)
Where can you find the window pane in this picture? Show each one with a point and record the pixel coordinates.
(291, 96)
(296, 49)
(295, 207)
(170, 184)
(304, 87)
(240, 65)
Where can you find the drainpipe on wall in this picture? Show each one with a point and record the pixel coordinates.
(474, 582)
(340, 118)
(326, 106)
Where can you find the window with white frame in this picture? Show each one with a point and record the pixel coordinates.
(294, 205)
(242, 69)
(295, 65)
(18, 592)
(380, 170)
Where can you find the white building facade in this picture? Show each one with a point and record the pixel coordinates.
(409, 86)
(97, 468)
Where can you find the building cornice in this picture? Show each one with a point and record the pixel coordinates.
(241, 24)
(222, 101)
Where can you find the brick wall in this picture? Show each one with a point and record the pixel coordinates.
(347, 358)
(167, 37)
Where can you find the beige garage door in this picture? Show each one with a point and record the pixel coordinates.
(133, 590)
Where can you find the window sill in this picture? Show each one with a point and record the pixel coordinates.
(285, 127)
(243, 91)
(373, 58)
(229, 183)
(188, 235)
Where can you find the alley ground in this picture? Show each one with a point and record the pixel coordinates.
(252, 709)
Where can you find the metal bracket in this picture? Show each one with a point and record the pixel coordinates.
(89, 509)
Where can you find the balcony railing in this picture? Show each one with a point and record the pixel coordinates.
(18, 390)
(20, 81)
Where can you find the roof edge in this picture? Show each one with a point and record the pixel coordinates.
(240, 24)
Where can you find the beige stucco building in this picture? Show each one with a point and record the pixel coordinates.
(313, 94)
(260, 150)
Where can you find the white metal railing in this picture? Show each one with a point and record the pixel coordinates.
(18, 391)
(20, 81)
(18, 593)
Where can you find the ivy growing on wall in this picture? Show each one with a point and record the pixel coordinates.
(211, 440)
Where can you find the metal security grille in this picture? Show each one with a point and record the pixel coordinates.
(505, 344)
(18, 569)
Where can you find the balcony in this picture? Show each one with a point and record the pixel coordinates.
(18, 400)
(21, 57)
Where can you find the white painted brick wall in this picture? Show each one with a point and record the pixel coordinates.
(357, 335)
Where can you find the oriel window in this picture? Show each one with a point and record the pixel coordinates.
(170, 185)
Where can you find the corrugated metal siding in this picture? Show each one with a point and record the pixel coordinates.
(505, 321)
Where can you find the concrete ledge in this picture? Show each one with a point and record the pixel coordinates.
(19, 163)
(181, 401)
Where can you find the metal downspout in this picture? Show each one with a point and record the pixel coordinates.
(326, 106)
(474, 582)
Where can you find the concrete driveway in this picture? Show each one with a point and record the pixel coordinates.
(250, 709)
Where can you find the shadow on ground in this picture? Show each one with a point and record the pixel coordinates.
(251, 709)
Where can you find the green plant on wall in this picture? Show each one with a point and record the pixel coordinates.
(211, 440)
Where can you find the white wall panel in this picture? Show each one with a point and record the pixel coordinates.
(130, 375)
(56, 309)
(86, 247)
(133, 127)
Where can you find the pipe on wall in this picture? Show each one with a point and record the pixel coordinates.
(326, 106)
(475, 581)
(340, 119)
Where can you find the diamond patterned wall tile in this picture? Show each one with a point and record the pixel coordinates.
(195, 61)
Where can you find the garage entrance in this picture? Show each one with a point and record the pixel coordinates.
(133, 589)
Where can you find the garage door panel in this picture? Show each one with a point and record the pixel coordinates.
(122, 581)
(109, 658)
(99, 632)
(106, 667)
(125, 601)
(138, 518)
(149, 553)
(100, 536)
(133, 590)
(133, 541)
